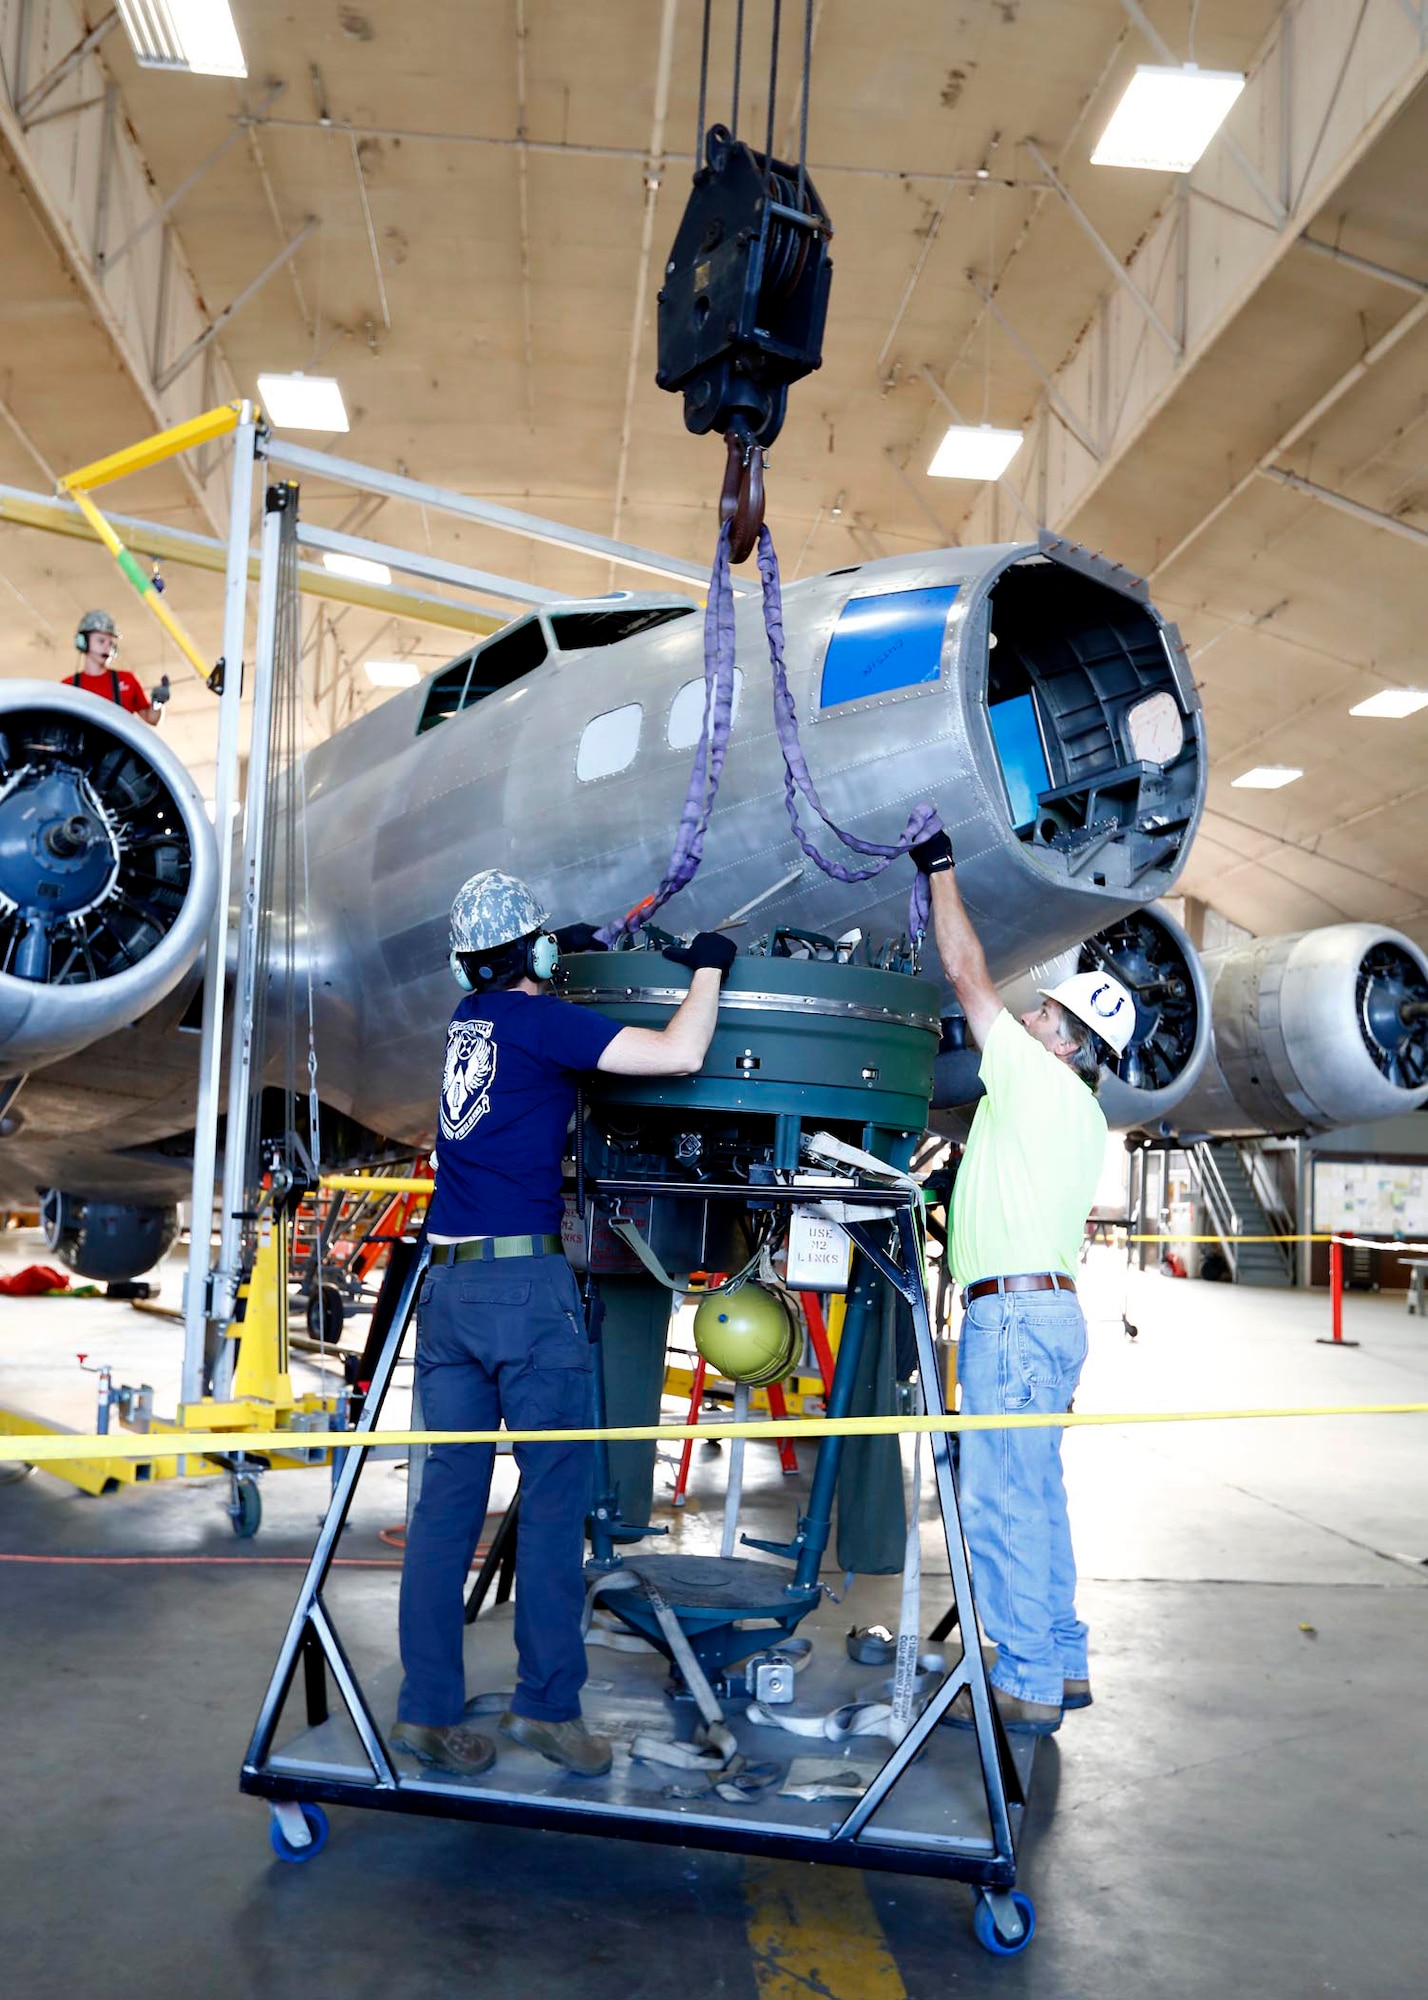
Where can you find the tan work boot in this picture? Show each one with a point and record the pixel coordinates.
(1074, 1694)
(453, 1748)
(567, 1743)
(1019, 1718)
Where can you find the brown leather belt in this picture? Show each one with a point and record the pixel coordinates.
(1034, 1281)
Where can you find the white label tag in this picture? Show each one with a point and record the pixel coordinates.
(819, 1254)
(572, 1235)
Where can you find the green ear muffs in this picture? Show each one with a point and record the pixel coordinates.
(544, 956)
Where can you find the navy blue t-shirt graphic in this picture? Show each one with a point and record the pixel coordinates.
(507, 1095)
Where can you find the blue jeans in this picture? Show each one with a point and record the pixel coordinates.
(1022, 1351)
(504, 1339)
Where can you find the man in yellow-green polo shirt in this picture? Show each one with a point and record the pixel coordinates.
(1020, 1202)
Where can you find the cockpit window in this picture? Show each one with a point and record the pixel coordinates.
(576, 629)
(487, 670)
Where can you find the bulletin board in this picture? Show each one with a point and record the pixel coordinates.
(1371, 1197)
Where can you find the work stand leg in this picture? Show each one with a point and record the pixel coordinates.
(311, 1636)
(999, 1776)
(314, 1678)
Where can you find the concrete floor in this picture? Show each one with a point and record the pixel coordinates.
(1243, 1812)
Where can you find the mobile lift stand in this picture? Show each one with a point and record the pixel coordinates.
(944, 1802)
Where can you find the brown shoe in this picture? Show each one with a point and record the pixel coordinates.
(566, 1743)
(452, 1748)
(1074, 1694)
(1021, 1718)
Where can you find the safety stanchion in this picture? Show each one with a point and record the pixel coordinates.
(1335, 1336)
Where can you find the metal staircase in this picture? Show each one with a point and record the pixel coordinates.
(1240, 1202)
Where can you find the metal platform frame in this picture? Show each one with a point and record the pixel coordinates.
(891, 1246)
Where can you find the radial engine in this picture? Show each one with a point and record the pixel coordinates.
(1151, 955)
(1313, 1031)
(108, 872)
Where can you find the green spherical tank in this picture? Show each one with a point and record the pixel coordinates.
(796, 1036)
(748, 1335)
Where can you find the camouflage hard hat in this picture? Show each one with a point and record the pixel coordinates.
(492, 909)
(96, 621)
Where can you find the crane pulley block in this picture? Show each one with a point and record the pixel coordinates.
(745, 294)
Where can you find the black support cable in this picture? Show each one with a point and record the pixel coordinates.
(803, 113)
(773, 92)
(703, 87)
(738, 68)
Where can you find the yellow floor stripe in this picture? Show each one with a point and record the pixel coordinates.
(813, 1932)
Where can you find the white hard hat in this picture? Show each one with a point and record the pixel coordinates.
(1099, 1003)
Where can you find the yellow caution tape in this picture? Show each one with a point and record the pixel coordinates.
(199, 1444)
(379, 1183)
(423, 1184)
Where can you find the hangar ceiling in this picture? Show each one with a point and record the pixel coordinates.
(480, 196)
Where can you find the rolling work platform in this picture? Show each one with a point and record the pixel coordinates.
(941, 1801)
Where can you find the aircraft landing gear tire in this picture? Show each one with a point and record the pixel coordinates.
(989, 1915)
(245, 1509)
(286, 1850)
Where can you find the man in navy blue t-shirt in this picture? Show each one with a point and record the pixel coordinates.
(499, 1326)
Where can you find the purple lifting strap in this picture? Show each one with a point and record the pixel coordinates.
(921, 821)
(688, 849)
(708, 767)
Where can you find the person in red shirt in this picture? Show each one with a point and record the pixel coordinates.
(97, 638)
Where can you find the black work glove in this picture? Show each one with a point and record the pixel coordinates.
(159, 695)
(708, 950)
(579, 937)
(933, 853)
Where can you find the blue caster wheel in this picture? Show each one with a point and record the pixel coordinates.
(984, 1924)
(245, 1509)
(317, 1826)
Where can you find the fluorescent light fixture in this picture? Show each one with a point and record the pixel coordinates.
(393, 673)
(974, 451)
(302, 402)
(1167, 118)
(359, 568)
(1267, 777)
(194, 35)
(1392, 703)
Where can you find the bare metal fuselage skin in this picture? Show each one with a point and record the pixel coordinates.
(397, 819)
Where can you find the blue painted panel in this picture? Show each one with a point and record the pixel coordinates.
(887, 642)
(1022, 758)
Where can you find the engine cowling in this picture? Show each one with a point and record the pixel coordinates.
(1151, 955)
(106, 1240)
(1311, 1031)
(108, 871)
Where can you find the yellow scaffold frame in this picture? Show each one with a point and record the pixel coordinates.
(149, 451)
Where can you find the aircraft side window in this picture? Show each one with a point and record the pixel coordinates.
(686, 712)
(608, 743)
(446, 693)
(893, 640)
(486, 671)
(506, 657)
(575, 630)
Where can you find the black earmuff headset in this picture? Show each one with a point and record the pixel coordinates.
(542, 955)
